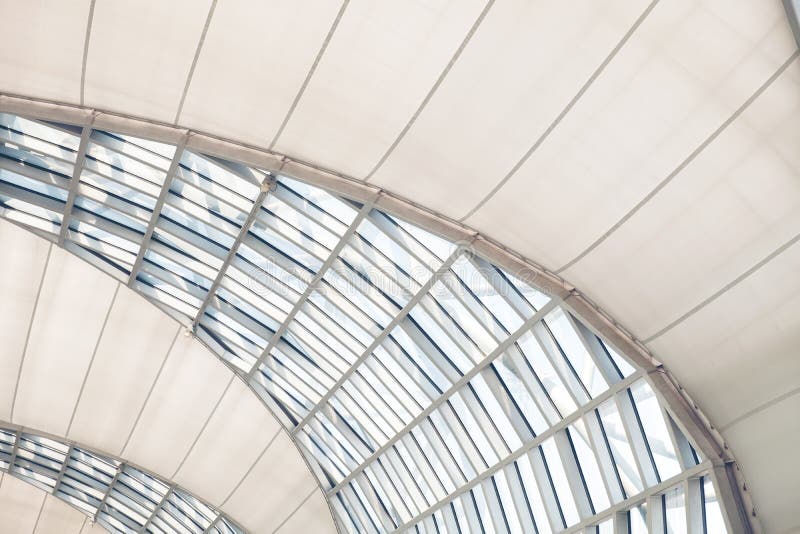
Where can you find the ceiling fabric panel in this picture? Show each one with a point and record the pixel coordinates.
(681, 75)
(177, 408)
(229, 445)
(20, 278)
(766, 444)
(525, 62)
(42, 50)
(58, 517)
(130, 353)
(19, 505)
(312, 516)
(140, 54)
(262, 508)
(742, 190)
(253, 62)
(381, 62)
(56, 360)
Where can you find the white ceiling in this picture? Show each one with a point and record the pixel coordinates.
(75, 344)
(646, 151)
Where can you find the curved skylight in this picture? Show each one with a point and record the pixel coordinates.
(430, 390)
(116, 495)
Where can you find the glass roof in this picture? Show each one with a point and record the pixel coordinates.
(116, 495)
(429, 389)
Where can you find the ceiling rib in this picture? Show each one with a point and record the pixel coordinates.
(363, 212)
(269, 184)
(75, 182)
(384, 333)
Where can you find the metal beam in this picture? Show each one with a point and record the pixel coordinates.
(441, 399)
(111, 484)
(14, 451)
(213, 523)
(75, 181)
(384, 334)
(527, 446)
(157, 508)
(63, 470)
(365, 209)
(269, 184)
(162, 197)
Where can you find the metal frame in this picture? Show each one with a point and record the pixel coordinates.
(687, 415)
(171, 485)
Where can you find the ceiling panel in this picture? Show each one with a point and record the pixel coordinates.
(766, 447)
(262, 507)
(59, 518)
(20, 503)
(751, 331)
(378, 68)
(313, 516)
(237, 433)
(140, 54)
(524, 64)
(253, 62)
(71, 310)
(183, 398)
(134, 345)
(20, 276)
(742, 191)
(43, 59)
(687, 68)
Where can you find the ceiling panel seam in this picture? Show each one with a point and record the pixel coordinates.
(296, 508)
(195, 59)
(730, 285)
(39, 515)
(760, 408)
(247, 473)
(205, 425)
(685, 163)
(28, 334)
(86, 41)
(553, 125)
(150, 391)
(433, 89)
(311, 72)
(91, 360)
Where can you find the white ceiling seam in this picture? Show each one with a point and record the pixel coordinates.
(295, 510)
(252, 466)
(546, 276)
(553, 125)
(203, 428)
(150, 390)
(780, 398)
(775, 253)
(27, 336)
(683, 164)
(311, 71)
(432, 91)
(194, 60)
(39, 515)
(86, 41)
(91, 360)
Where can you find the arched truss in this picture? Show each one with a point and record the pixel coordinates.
(112, 492)
(433, 381)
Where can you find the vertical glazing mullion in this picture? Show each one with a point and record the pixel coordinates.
(544, 483)
(637, 438)
(336, 413)
(363, 391)
(694, 506)
(372, 426)
(450, 328)
(343, 512)
(483, 508)
(395, 381)
(461, 435)
(520, 500)
(502, 286)
(441, 362)
(475, 308)
(413, 490)
(597, 350)
(314, 438)
(472, 417)
(561, 364)
(506, 501)
(434, 456)
(444, 453)
(472, 514)
(373, 502)
(495, 390)
(575, 476)
(420, 470)
(399, 363)
(395, 498)
(521, 366)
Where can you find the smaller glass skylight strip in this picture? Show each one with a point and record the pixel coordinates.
(118, 496)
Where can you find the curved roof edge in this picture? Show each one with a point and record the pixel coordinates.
(734, 494)
(84, 469)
